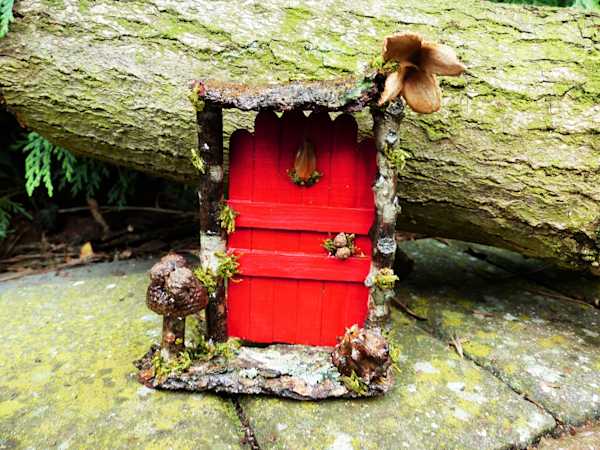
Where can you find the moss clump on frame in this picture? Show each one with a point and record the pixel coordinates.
(207, 278)
(228, 268)
(227, 218)
(228, 265)
(197, 161)
(385, 278)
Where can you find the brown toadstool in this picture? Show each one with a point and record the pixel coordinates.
(174, 292)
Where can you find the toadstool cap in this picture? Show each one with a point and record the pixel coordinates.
(174, 289)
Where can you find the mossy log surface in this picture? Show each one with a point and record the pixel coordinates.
(511, 160)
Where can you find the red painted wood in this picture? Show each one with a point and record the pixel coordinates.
(304, 266)
(290, 289)
(277, 216)
(285, 242)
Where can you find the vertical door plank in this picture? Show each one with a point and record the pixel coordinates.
(241, 165)
(343, 162)
(238, 308)
(308, 326)
(261, 306)
(266, 142)
(285, 312)
(293, 125)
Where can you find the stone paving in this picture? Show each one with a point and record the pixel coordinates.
(531, 362)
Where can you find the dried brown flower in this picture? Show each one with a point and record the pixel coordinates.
(419, 61)
(305, 163)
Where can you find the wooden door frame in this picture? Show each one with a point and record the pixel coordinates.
(210, 99)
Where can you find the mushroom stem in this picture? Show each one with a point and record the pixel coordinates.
(173, 337)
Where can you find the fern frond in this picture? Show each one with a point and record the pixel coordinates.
(6, 16)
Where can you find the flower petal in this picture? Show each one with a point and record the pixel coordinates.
(439, 59)
(306, 161)
(401, 47)
(422, 92)
(393, 86)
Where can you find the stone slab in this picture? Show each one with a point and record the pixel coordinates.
(66, 373)
(438, 401)
(585, 439)
(543, 346)
(577, 285)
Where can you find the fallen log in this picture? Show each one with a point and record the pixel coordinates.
(511, 160)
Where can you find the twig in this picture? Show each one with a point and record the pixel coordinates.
(457, 342)
(97, 215)
(128, 208)
(407, 310)
(72, 263)
(549, 293)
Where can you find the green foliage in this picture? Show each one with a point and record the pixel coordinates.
(227, 218)
(82, 175)
(162, 368)
(9, 207)
(38, 163)
(227, 269)
(394, 350)
(6, 16)
(207, 350)
(197, 161)
(228, 265)
(314, 178)
(397, 157)
(355, 383)
(207, 278)
(385, 278)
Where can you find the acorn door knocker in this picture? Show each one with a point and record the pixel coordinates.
(305, 171)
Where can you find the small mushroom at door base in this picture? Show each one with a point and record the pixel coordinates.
(174, 292)
(364, 352)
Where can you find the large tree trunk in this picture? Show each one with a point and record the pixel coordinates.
(511, 160)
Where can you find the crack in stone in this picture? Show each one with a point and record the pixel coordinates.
(249, 435)
(560, 426)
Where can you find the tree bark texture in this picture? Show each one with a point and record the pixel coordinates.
(210, 194)
(511, 160)
(386, 125)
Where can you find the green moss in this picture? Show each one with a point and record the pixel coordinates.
(227, 218)
(207, 350)
(452, 318)
(397, 156)
(355, 383)
(385, 279)
(477, 349)
(311, 180)
(207, 278)
(197, 161)
(228, 265)
(163, 369)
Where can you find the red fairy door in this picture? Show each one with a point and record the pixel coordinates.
(291, 290)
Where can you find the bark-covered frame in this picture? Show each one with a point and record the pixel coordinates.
(347, 95)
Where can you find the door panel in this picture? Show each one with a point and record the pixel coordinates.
(289, 289)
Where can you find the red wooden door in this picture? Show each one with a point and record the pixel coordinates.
(291, 290)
